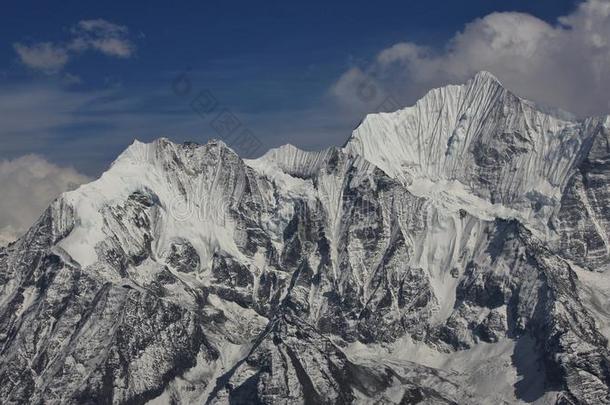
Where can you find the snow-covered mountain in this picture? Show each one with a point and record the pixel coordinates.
(456, 251)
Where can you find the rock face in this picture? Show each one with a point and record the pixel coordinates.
(452, 252)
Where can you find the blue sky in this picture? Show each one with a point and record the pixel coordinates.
(274, 64)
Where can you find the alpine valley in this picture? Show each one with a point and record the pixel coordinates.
(452, 252)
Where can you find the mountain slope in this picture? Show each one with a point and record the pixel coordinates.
(439, 257)
(493, 144)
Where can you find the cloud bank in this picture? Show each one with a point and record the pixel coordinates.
(29, 184)
(564, 65)
(88, 35)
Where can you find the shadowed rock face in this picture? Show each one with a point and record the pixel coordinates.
(368, 274)
(584, 219)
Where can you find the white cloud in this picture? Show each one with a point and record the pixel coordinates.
(357, 89)
(43, 56)
(103, 36)
(102, 26)
(113, 47)
(88, 35)
(28, 185)
(565, 65)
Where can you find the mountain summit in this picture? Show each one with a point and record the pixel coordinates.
(455, 251)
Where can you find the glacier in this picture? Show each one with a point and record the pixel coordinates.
(454, 251)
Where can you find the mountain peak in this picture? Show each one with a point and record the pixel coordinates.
(293, 161)
(498, 147)
(161, 148)
(486, 76)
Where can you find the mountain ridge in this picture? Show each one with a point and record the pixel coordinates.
(347, 275)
